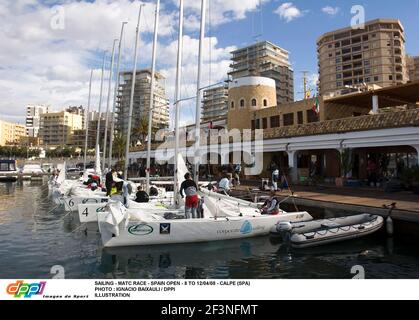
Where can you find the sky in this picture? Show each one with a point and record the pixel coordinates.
(48, 47)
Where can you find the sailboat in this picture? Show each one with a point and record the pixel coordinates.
(223, 218)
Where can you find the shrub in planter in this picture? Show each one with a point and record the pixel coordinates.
(410, 179)
(346, 164)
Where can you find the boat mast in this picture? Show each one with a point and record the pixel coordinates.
(177, 97)
(131, 102)
(107, 105)
(198, 95)
(150, 112)
(115, 93)
(86, 119)
(100, 106)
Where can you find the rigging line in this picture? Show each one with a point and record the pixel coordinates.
(185, 90)
(209, 44)
(261, 18)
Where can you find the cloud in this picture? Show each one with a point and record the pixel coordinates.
(42, 65)
(288, 12)
(331, 10)
(220, 11)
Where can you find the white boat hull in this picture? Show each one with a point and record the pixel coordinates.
(138, 233)
(88, 212)
(72, 203)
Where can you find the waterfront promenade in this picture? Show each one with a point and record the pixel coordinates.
(368, 200)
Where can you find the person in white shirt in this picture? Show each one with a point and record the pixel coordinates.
(224, 185)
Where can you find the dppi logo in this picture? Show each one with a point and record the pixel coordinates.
(27, 290)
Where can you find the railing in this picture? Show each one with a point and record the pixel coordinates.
(363, 123)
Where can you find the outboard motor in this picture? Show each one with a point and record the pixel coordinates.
(283, 229)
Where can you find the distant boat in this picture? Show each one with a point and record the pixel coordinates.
(32, 171)
(8, 170)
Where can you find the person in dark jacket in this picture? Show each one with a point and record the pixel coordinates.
(190, 189)
(109, 182)
(141, 195)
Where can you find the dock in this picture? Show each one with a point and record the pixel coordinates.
(19, 176)
(361, 200)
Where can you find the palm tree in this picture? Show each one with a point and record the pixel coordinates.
(119, 143)
(141, 131)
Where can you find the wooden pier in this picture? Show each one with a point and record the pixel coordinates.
(360, 200)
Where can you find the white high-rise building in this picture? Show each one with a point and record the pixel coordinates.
(33, 115)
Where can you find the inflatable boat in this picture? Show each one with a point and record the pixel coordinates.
(322, 232)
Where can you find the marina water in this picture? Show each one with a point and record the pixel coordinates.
(35, 236)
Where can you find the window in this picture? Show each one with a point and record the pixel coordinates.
(347, 58)
(368, 79)
(257, 123)
(376, 78)
(390, 77)
(232, 104)
(345, 51)
(288, 119)
(254, 102)
(300, 117)
(265, 123)
(275, 122)
(312, 116)
(265, 102)
(346, 43)
(356, 40)
(365, 38)
(339, 76)
(242, 103)
(338, 60)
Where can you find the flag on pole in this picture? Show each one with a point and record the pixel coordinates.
(316, 106)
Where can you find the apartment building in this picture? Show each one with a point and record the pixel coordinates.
(215, 104)
(11, 133)
(350, 58)
(141, 101)
(413, 66)
(265, 59)
(33, 115)
(57, 128)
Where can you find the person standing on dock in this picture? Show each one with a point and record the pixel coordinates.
(275, 179)
(191, 192)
